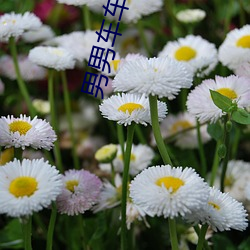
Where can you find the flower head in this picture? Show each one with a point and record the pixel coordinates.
(128, 108)
(26, 132)
(221, 212)
(106, 153)
(51, 57)
(80, 192)
(200, 103)
(169, 192)
(42, 34)
(28, 186)
(235, 49)
(191, 15)
(196, 53)
(156, 76)
(184, 124)
(14, 25)
(29, 70)
(81, 2)
(141, 157)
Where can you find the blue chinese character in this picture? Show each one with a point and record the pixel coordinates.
(116, 5)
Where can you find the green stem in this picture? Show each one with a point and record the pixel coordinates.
(50, 233)
(86, 17)
(202, 237)
(18, 153)
(215, 164)
(27, 229)
(21, 84)
(143, 37)
(127, 155)
(242, 13)
(205, 244)
(156, 130)
(82, 227)
(120, 136)
(69, 118)
(54, 120)
(112, 173)
(173, 235)
(140, 135)
(226, 158)
(236, 142)
(203, 170)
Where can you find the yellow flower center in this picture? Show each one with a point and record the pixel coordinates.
(115, 64)
(170, 182)
(227, 92)
(229, 181)
(130, 107)
(20, 126)
(180, 125)
(185, 53)
(23, 186)
(13, 21)
(70, 185)
(214, 205)
(57, 52)
(132, 157)
(244, 42)
(6, 156)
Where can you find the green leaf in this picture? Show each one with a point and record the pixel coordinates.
(241, 116)
(245, 244)
(221, 101)
(215, 130)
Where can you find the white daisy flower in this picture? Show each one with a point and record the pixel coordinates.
(247, 191)
(80, 43)
(191, 15)
(157, 76)
(26, 132)
(110, 195)
(42, 106)
(29, 70)
(200, 103)
(50, 57)
(197, 53)
(243, 69)
(128, 108)
(42, 34)
(169, 192)
(14, 25)
(174, 124)
(137, 9)
(81, 2)
(235, 49)
(141, 157)
(221, 212)
(236, 179)
(28, 186)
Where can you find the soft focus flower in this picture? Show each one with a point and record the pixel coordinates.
(243, 69)
(191, 15)
(236, 179)
(128, 108)
(41, 106)
(110, 195)
(200, 103)
(169, 192)
(106, 153)
(141, 157)
(26, 132)
(156, 76)
(6, 156)
(42, 34)
(80, 43)
(197, 53)
(221, 212)
(50, 57)
(137, 9)
(177, 124)
(80, 2)
(29, 70)
(14, 25)
(28, 186)
(235, 49)
(80, 192)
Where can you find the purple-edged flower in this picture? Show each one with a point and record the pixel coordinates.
(80, 192)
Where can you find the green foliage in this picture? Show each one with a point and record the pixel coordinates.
(215, 130)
